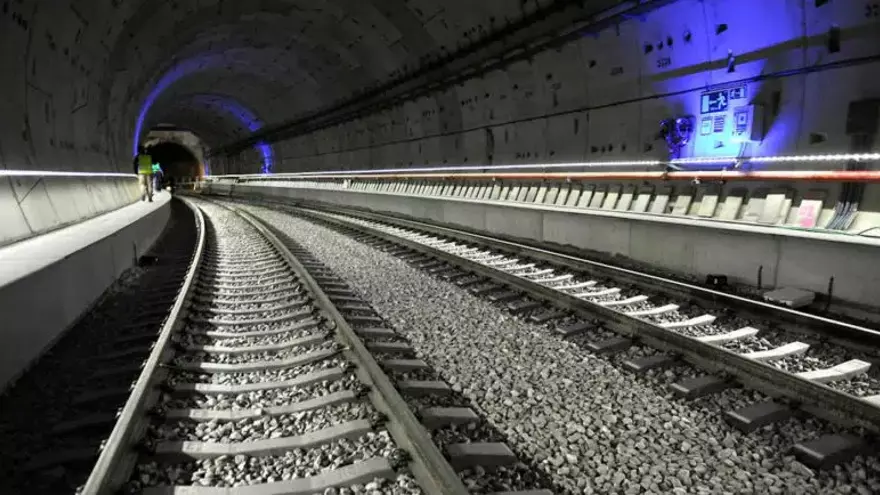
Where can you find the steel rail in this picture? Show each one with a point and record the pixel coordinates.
(817, 398)
(795, 320)
(431, 469)
(117, 458)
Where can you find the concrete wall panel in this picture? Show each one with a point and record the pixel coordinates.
(591, 232)
(682, 248)
(36, 204)
(66, 196)
(13, 223)
(466, 215)
(519, 223)
(45, 203)
(630, 75)
(66, 289)
(810, 265)
(649, 242)
(566, 137)
(673, 43)
(738, 255)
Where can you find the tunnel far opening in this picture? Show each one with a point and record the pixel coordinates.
(176, 160)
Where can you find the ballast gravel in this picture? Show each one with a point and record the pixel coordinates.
(244, 318)
(242, 470)
(278, 375)
(862, 386)
(214, 310)
(264, 398)
(271, 339)
(592, 427)
(264, 427)
(228, 290)
(260, 327)
(291, 314)
(252, 357)
(404, 484)
(247, 282)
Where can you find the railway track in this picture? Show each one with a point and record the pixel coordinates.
(269, 377)
(802, 362)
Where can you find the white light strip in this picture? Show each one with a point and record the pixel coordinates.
(842, 157)
(695, 160)
(55, 173)
(475, 168)
(619, 164)
(818, 158)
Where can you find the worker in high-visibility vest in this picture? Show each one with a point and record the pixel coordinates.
(144, 164)
(158, 175)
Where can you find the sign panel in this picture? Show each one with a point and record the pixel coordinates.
(737, 93)
(724, 121)
(719, 100)
(706, 126)
(714, 101)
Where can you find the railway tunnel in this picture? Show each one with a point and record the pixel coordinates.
(666, 210)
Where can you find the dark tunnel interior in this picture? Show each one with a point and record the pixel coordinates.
(176, 159)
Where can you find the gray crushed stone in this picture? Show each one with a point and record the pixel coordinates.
(243, 470)
(592, 427)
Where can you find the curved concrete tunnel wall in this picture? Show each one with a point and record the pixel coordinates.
(34, 205)
(79, 77)
(602, 97)
(84, 75)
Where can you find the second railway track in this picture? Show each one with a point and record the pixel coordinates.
(802, 363)
(261, 383)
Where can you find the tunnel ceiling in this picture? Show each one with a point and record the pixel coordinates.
(323, 84)
(199, 64)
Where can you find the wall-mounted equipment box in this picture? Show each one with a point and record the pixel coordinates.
(748, 124)
(726, 118)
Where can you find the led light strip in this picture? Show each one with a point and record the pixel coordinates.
(462, 168)
(844, 157)
(55, 173)
(638, 163)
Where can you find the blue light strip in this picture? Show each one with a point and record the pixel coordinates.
(176, 73)
(227, 104)
(233, 107)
